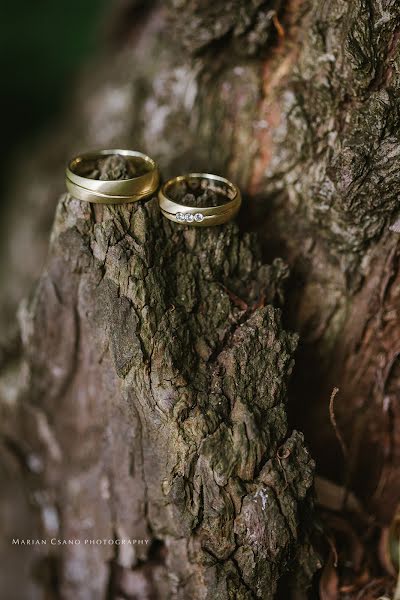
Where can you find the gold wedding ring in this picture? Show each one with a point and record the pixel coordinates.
(173, 193)
(82, 186)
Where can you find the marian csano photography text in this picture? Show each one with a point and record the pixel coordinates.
(77, 542)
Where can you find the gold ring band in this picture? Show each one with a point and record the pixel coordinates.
(111, 191)
(204, 216)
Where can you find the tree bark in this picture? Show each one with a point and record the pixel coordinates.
(140, 328)
(155, 409)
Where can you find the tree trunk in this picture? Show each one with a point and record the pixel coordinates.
(147, 398)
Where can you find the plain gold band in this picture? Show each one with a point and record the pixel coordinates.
(116, 191)
(80, 193)
(200, 217)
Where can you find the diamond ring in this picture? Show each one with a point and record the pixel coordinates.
(199, 199)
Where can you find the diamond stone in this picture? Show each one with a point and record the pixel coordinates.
(198, 217)
(180, 216)
(189, 218)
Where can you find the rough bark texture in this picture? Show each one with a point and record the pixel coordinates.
(152, 406)
(297, 101)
